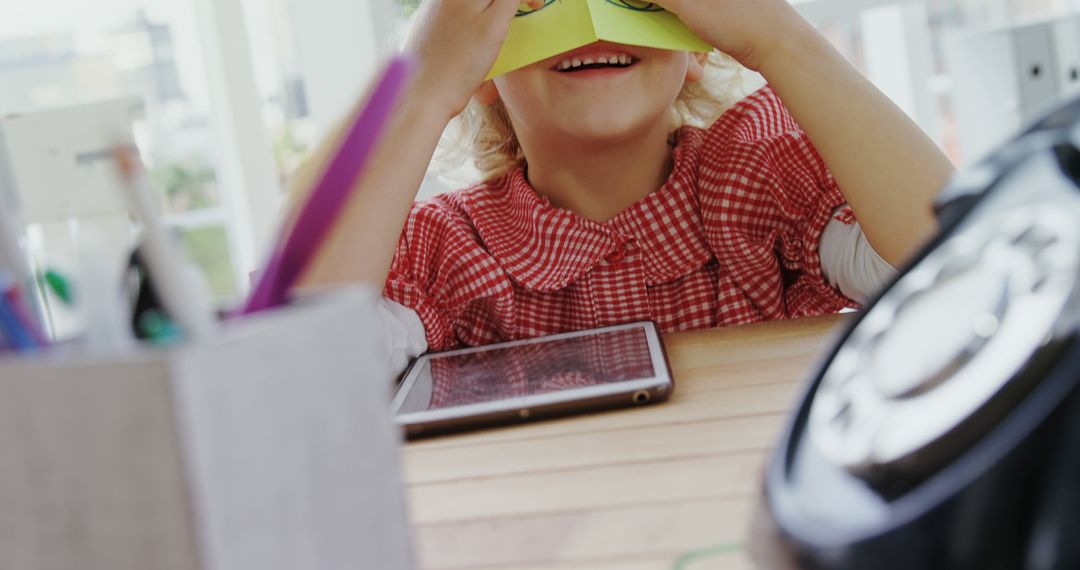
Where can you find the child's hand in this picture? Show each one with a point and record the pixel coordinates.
(747, 30)
(455, 43)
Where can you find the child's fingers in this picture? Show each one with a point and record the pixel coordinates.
(507, 7)
(501, 5)
(533, 4)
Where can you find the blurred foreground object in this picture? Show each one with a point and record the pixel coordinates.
(943, 429)
(268, 446)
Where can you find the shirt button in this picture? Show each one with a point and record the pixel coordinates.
(619, 254)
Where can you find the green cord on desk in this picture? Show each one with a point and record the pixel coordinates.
(684, 561)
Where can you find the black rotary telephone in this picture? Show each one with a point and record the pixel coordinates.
(943, 430)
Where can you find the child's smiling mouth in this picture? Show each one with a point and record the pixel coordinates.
(598, 58)
(574, 64)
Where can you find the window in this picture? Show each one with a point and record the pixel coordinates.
(226, 122)
(312, 60)
(57, 53)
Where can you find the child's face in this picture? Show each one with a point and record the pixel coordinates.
(548, 103)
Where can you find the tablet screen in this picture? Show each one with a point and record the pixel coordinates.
(533, 368)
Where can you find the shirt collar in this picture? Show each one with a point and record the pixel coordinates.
(544, 248)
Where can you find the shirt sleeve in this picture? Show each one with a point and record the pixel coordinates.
(416, 274)
(403, 335)
(767, 197)
(441, 272)
(851, 264)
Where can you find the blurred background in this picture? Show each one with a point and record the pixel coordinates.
(231, 94)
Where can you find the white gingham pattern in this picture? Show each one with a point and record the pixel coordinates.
(731, 238)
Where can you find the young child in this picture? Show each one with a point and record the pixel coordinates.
(596, 210)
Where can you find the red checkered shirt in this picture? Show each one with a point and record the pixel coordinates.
(732, 237)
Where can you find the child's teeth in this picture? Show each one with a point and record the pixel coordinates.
(568, 64)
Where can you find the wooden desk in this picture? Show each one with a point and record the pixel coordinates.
(639, 489)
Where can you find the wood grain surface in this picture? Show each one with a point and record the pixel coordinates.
(670, 486)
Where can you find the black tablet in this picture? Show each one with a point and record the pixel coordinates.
(524, 380)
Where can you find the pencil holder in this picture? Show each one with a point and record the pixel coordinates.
(270, 447)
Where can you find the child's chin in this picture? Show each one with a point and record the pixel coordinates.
(602, 128)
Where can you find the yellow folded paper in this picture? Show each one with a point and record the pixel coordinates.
(563, 25)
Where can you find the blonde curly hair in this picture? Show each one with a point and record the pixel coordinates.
(485, 134)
